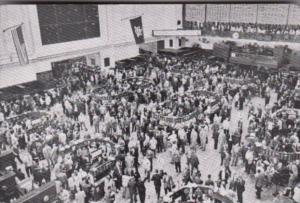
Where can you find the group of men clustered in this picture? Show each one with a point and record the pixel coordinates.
(88, 107)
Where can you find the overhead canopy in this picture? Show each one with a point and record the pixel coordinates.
(185, 51)
(170, 197)
(127, 63)
(29, 88)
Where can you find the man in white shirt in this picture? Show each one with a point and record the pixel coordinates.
(153, 145)
(226, 126)
(296, 196)
(72, 182)
(80, 196)
(62, 137)
(203, 136)
(194, 136)
(147, 167)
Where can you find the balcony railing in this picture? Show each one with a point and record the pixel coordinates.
(267, 35)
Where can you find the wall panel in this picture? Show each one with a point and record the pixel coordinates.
(195, 12)
(294, 15)
(272, 13)
(218, 12)
(245, 13)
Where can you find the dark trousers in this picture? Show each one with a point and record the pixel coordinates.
(133, 196)
(28, 170)
(133, 129)
(91, 118)
(189, 139)
(159, 147)
(151, 164)
(118, 182)
(181, 146)
(216, 143)
(167, 190)
(222, 159)
(157, 190)
(267, 100)
(248, 167)
(258, 192)
(228, 169)
(226, 132)
(142, 197)
(142, 147)
(241, 104)
(240, 197)
(178, 167)
(75, 116)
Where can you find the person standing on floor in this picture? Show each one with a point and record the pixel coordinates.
(240, 130)
(168, 183)
(156, 178)
(96, 121)
(132, 187)
(235, 154)
(117, 174)
(249, 156)
(215, 134)
(182, 139)
(153, 146)
(203, 136)
(227, 161)
(226, 125)
(147, 167)
(194, 161)
(194, 136)
(141, 189)
(259, 181)
(222, 153)
(240, 188)
(177, 160)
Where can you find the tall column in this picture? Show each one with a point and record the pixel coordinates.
(205, 13)
(183, 15)
(288, 15)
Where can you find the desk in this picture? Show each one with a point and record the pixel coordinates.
(45, 193)
(8, 180)
(7, 158)
(253, 60)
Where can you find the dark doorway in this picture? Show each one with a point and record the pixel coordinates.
(60, 68)
(160, 44)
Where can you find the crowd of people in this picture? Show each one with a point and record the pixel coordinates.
(247, 30)
(102, 117)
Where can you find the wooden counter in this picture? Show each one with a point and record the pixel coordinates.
(45, 193)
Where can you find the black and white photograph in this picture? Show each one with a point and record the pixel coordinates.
(156, 102)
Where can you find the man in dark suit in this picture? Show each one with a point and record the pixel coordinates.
(141, 189)
(156, 178)
(132, 187)
(240, 188)
(215, 129)
(259, 181)
(117, 174)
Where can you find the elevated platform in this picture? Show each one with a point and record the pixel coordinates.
(14, 92)
(172, 33)
(195, 36)
(185, 51)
